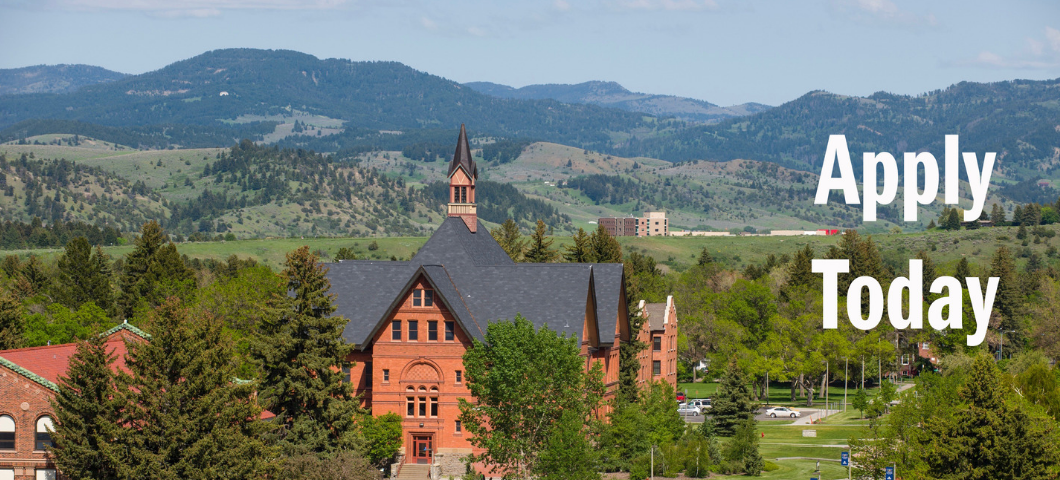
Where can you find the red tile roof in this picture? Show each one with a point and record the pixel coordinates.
(51, 361)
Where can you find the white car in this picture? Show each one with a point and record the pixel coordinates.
(782, 412)
(686, 409)
(702, 403)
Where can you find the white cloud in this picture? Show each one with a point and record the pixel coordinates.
(668, 5)
(1039, 54)
(561, 5)
(882, 13)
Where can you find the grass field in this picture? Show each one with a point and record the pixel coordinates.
(945, 248)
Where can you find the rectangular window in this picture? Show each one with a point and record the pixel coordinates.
(417, 298)
(386, 374)
(395, 330)
(449, 331)
(459, 377)
(656, 367)
(656, 343)
(410, 406)
(459, 427)
(7, 440)
(428, 298)
(423, 406)
(432, 330)
(463, 194)
(44, 474)
(368, 374)
(434, 406)
(44, 440)
(905, 359)
(414, 330)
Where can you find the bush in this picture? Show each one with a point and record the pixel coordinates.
(770, 466)
(344, 465)
(373, 246)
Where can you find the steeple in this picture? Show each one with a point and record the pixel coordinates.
(462, 176)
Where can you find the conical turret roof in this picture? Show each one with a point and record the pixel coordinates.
(462, 157)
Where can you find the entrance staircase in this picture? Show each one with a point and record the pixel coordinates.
(414, 471)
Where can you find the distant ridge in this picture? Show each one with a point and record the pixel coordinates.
(611, 94)
(53, 78)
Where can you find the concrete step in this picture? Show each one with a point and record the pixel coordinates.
(414, 471)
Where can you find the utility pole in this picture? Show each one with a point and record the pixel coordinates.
(653, 462)
(846, 382)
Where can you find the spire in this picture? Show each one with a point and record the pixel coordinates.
(462, 157)
(462, 176)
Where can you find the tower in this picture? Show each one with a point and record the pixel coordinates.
(462, 175)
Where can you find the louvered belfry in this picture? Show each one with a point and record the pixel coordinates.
(462, 176)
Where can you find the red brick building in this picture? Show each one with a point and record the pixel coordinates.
(413, 320)
(659, 333)
(28, 378)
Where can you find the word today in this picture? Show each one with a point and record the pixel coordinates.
(982, 302)
(836, 151)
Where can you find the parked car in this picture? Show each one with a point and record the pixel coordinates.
(680, 396)
(687, 409)
(782, 412)
(702, 403)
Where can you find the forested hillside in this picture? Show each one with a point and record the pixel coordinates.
(1020, 120)
(53, 78)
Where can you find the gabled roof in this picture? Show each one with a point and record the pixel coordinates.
(462, 158)
(49, 362)
(656, 312)
(478, 283)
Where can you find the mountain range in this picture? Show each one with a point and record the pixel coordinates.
(53, 78)
(611, 94)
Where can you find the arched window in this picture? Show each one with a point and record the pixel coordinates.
(44, 433)
(7, 432)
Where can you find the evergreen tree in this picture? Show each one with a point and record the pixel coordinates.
(732, 404)
(88, 419)
(83, 277)
(186, 415)
(540, 249)
(579, 251)
(1008, 300)
(930, 272)
(12, 322)
(1021, 233)
(953, 220)
(742, 450)
(33, 273)
(509, 238)
(1017, 215)
(705, 258)
(800, 271)
(302, 353)
(604, 247)
(964, 270)
(152, 265)
(931, 224)
(997, 215)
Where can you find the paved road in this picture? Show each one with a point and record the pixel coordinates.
(806, 417)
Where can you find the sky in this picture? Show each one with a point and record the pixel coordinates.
(723, 51)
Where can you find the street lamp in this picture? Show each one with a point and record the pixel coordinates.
(1001, 351)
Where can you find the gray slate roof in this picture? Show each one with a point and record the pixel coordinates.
(656, 313)
(477, 281)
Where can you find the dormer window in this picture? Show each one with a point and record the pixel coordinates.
(422, 298)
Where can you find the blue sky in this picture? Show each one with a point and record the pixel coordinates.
(723, 51)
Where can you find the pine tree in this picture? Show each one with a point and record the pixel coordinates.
(931, 224)
(509, 238)
(1008, 299)
(153, 264)
(930, 271)
(186, 414)
(579, 251)
(1017, 215)
(800, 272)
(964, 270)
(88, 416)
(953, 220)
(732, 404)
(568, 453)
(12, 322)
(997, 215)
(540, 250)
(705, 257)
(742, 450)
(83, 278)
(1021, 233)
(301, 350)
(604, 247)
(33, 272)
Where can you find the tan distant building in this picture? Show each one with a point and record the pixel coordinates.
(653, 224)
